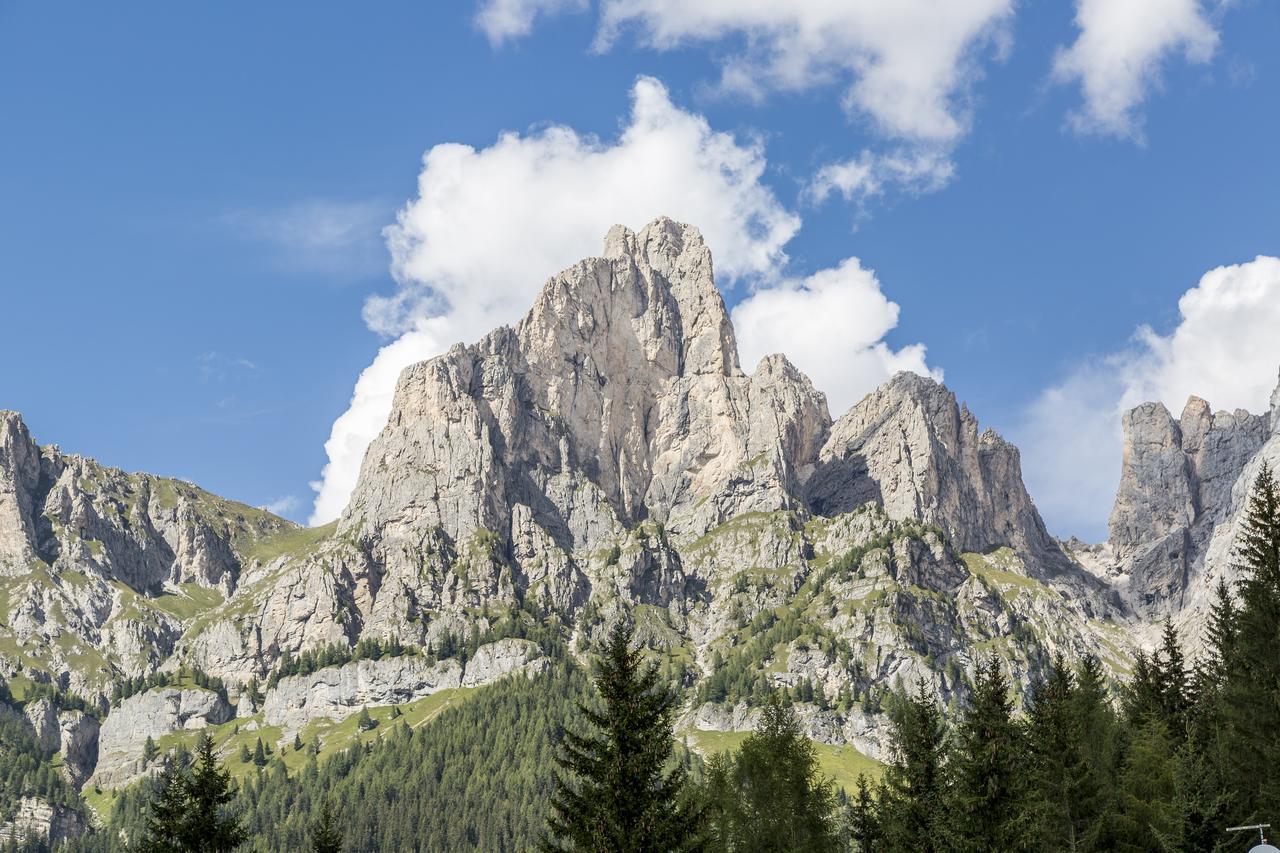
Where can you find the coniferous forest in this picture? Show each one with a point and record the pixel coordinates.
(571, 760)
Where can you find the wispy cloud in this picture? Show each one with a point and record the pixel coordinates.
(214, 366)
(320, 236)
(282, 506)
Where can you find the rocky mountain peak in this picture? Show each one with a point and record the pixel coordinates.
(19, 476)
(1176, 486)
(909, 446)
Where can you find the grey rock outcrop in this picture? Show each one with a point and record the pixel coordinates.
(152, 714)
(42, 717)
(85, 550)
(35, 818)
(337, 692)
(78, 745)
(911, 448)
(1176, 487)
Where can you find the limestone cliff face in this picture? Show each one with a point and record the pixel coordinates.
(909, 447)
(1177, 485)
(617, 399)
(607, 454)
(85, 550)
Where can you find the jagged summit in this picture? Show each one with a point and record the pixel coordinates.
(619, 398)
(1184, 483)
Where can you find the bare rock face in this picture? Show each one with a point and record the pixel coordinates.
(911, 448)
(1176, 487)
(78, 745)
(617, 399)
(85, 550)
(152, 714)
(38, 819)
(337, 692)
(19, 480)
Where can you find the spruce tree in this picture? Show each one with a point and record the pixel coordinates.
(913, 800)
(1067, 793)
(167, 813)
(989, 796)
(259, 754)
(1251, 693)
(325, 835)
(187, 812)
(769, 795)
(1172, 680)
(612, 789)
(209, 790)
(864, 818)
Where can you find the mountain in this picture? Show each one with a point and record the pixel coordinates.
(1184, 485)
(606, 455)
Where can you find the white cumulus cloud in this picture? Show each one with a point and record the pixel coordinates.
(831, 325)
(1225, 349)
(503, 20)
(906, 64)
(490, 225)
(1119, 53)
(869, 174)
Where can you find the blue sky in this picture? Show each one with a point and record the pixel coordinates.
(192, 202)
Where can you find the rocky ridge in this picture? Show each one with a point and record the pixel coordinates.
(607, 454)
(1184, 487)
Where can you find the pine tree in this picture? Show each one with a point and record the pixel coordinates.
(209, 790)
(1251, 693)
(245, 755)
(187, 808)
(989, 798)
(167, 813)
(769, 795)
(149, 750)
(325, 835)
(611, 790)
(364, 722)
(1066, 790)
(913, 800)
(259, 754)
(864, 818)
(1172, 680)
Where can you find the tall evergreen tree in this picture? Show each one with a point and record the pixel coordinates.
(770, 796)
(989, 792)
(613, 789)
(167, 816)
(188, 809)
(1068, 794)
(209, 790)
(913, 801)
(325, 836)
(1251, 692)
(864, 818)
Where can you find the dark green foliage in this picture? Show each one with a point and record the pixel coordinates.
(1251, 692)
(149, 750)
(769, 795)
(127, 687)
(326, 837)
(989, 790)
(188, 811)
(615, 789)
(364, 722)
(335, 654)
(913, 802)
(864, 818)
